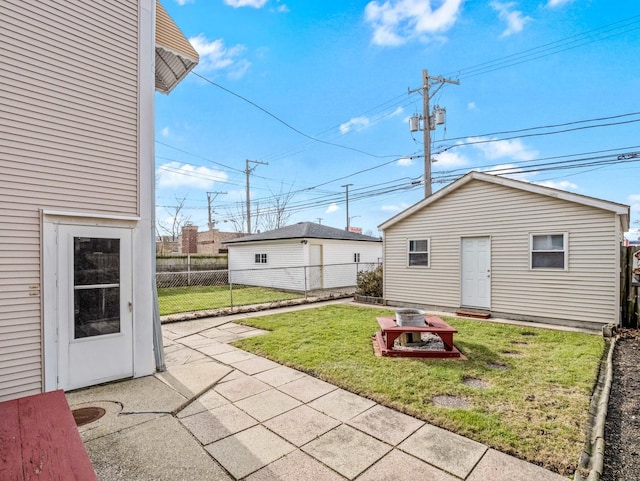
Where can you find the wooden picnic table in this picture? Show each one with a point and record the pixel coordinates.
(390, 331)
(39, 440)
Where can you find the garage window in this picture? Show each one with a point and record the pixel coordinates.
(549, 251)
(419, 253)
(261, 259)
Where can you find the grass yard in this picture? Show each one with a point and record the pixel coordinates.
(172, 300)
(538, 381)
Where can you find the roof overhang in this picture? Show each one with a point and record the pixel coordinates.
(175, 56)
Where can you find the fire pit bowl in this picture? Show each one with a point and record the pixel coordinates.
(410, 317)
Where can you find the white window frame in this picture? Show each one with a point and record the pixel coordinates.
(261, 258)
(565, 251)
(356, 257)
(428, 252)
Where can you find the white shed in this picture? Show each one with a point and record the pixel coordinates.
(301, 257)
(510, 248)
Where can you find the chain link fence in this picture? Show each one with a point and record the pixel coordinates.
(196, 290)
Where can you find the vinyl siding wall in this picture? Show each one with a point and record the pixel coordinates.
(283, 269)
(287, 260)
(586, 292)
(68, 136)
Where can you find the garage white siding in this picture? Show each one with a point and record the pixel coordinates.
(283, 269)
(586, 292)
(69, 136)
(290, 263)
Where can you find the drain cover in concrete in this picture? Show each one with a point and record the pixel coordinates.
(87, 415)
(453, 402)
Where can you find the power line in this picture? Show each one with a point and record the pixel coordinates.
(286, 124)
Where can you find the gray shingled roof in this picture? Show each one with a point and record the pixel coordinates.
(305, 230)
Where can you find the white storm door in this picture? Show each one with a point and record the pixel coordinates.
(95, 321)
(476, 272)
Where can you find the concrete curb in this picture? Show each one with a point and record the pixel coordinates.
(592, 459)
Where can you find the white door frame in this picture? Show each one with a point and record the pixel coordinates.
(52, 223)
(480, 296)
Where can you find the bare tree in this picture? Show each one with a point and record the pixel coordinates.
(236, 216)
(175, 221)
(276, 214)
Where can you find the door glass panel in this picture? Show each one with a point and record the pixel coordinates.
(96, 285)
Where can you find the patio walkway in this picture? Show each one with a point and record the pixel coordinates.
(220, 413)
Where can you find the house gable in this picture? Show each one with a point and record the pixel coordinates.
(508, 216)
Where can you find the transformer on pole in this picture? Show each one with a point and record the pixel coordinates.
(429, 120)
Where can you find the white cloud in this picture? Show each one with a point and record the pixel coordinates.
(165, 132)
(514, 18)
(184, 2)
(562, 185)
(405, 161)
(396, 112)
(498, 149)
(215, 56)
(395, 22)
(175, 174)
(557, 3)
(471, 106)
(515, 172)
(355, 123)
(282, 8)
(246, 3)
(634, 202)
(394, 207)
(450, 159)
(332, 208)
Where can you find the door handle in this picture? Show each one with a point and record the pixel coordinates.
(130, 306)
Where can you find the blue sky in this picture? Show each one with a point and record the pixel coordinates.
(318, 90)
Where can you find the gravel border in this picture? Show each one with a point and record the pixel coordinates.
(591, 460)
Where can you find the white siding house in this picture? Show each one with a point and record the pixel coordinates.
(76, 188)
(516, 249)
(300, 257)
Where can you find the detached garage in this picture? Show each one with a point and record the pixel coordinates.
(302, 257)
(508, 248)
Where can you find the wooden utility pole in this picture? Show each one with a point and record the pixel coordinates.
(427, 83)
(346, 186)
(248, 172)
(212, 223)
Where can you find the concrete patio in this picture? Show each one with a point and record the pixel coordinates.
(220, 413)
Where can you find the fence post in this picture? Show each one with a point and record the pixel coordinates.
(188, 269)
(230, 289)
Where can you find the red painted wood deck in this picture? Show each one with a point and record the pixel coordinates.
(39, 440)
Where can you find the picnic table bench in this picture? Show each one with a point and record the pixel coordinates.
(390, 331)
(39, 440)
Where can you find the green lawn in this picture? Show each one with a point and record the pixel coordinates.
(172, 300)
(536, 408)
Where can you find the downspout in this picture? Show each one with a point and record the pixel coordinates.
(158, 346)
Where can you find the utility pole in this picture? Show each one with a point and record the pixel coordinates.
(428, 122)
(346, 186)
(319, 220)
(248, 171)
(212, 223)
